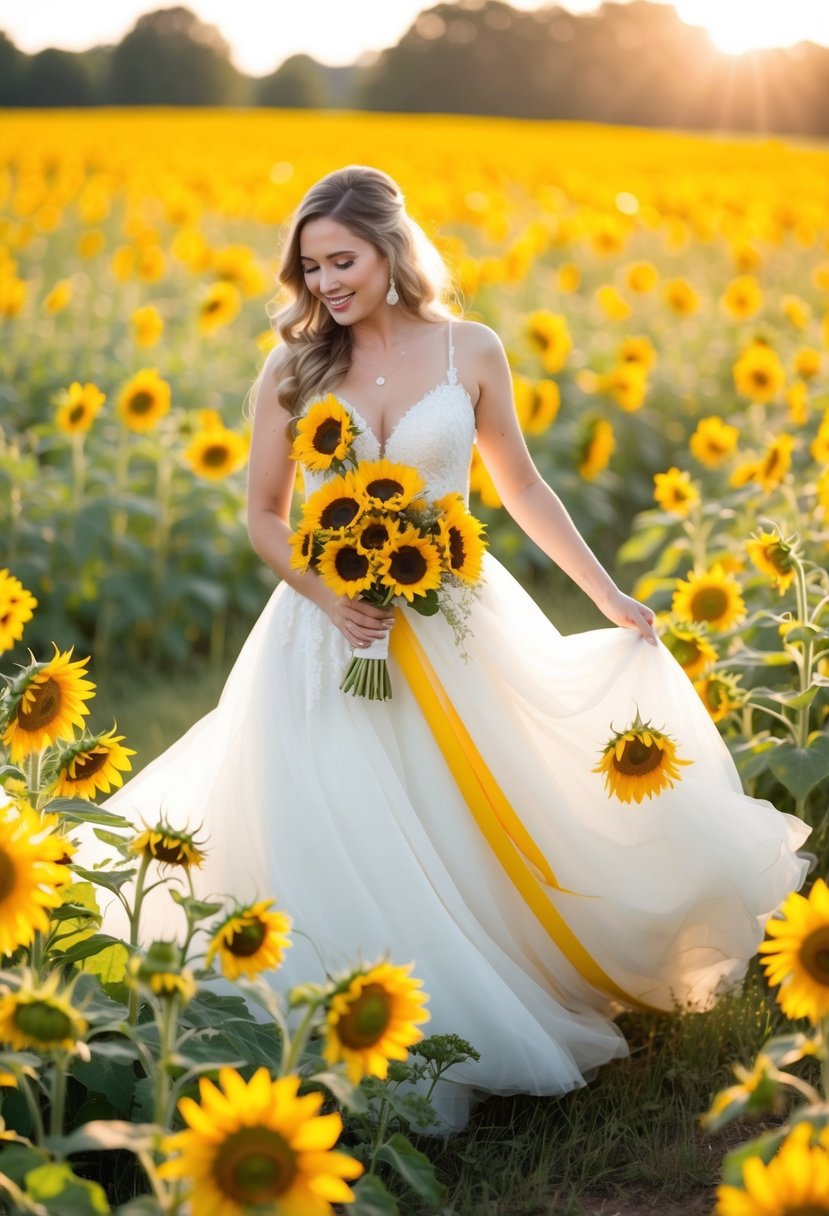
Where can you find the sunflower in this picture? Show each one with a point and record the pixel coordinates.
(215, 451)
(251, 940)
(462, 540)
(302, 548)
(16, 608)
(37, 1017)
(819, 447)
(144, 400)
(627, 384)
(169, 846)
(795, 310)
(78, 407)
(147, 325)
(372, 1018)
(550, 337)
(410, 564)
(773, 556)
(345, 568)
(742, 298)
(796, 947)
(536, 402)
(639, 762)
(641, 277)
(755, 1091)
(759, 373)
(388, 486)
(796, 397)
(637, 350)
(258, 1145)
(48, 704)
(221, 305)
(807, 362)
(713, 441)
(324, 434)
(721, 694)
(374, 532)
(681, 296)
(597, 449)
(160, 970)
(335, 505)
(770, 469)
(712, 597)
(675, 492)
(30, 875)
(688, 643)
(794, 1183)
(92, 765)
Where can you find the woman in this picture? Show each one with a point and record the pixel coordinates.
(534, 902)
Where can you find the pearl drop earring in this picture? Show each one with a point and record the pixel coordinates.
(391, 295)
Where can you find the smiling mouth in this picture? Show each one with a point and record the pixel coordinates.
(339, 299)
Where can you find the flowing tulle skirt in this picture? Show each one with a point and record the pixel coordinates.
(346, 812)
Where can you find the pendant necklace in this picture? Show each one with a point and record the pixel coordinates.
(379, 377)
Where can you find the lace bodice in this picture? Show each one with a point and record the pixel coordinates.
(435, 435)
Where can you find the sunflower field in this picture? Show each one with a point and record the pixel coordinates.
(664, 302)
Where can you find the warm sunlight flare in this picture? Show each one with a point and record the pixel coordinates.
(735, 27)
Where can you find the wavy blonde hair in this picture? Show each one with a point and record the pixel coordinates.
(317, 350)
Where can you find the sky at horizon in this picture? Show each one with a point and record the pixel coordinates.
(340, 33)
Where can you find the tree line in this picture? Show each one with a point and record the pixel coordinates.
(635, 63)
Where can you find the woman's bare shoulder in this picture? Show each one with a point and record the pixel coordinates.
(476, 338)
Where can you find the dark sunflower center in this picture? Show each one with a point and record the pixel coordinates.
(351, 564)
(714, 694)
(407, 565)
(43, 707)
(212, 306)
(43, 1021)
(7, 875)
(638, 758)
(384, 488)
(814, 955)
(778, 556)
(173, 853)
(328, 436)
(374, 536)
(89, 764)
(709, 603)
(339, 513)
(77, 412)
(457, 552)
(367, 1018)
(254, 1165)
(772, 463)
(247, 940)
(215, 456)
(685, 650)
(760, 377)
(141, 402)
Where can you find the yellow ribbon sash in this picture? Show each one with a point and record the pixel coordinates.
(512, 844)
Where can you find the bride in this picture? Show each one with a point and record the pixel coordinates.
(531, 927)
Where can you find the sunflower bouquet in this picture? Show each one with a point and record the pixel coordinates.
(369, 532)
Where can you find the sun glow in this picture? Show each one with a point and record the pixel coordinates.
(737, 26)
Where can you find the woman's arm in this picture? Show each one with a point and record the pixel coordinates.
(271, 476)
(534, 506)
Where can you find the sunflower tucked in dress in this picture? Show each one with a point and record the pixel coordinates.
(600, 855)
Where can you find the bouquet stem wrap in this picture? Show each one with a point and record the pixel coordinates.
(367, 674)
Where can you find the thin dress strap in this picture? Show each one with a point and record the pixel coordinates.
(452, 374)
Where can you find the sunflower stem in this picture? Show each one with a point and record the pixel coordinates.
(34, 1109)
(58, 1105)
(824, 1057)
(33, 765)
(134, 919)
(78, 469)
(167, 1022)
(295, 1045)
(806, 666)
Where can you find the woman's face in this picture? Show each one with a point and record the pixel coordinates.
(347, 273)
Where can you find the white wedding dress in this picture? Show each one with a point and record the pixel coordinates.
(345, 811)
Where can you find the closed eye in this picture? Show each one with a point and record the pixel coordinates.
(339, 266)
